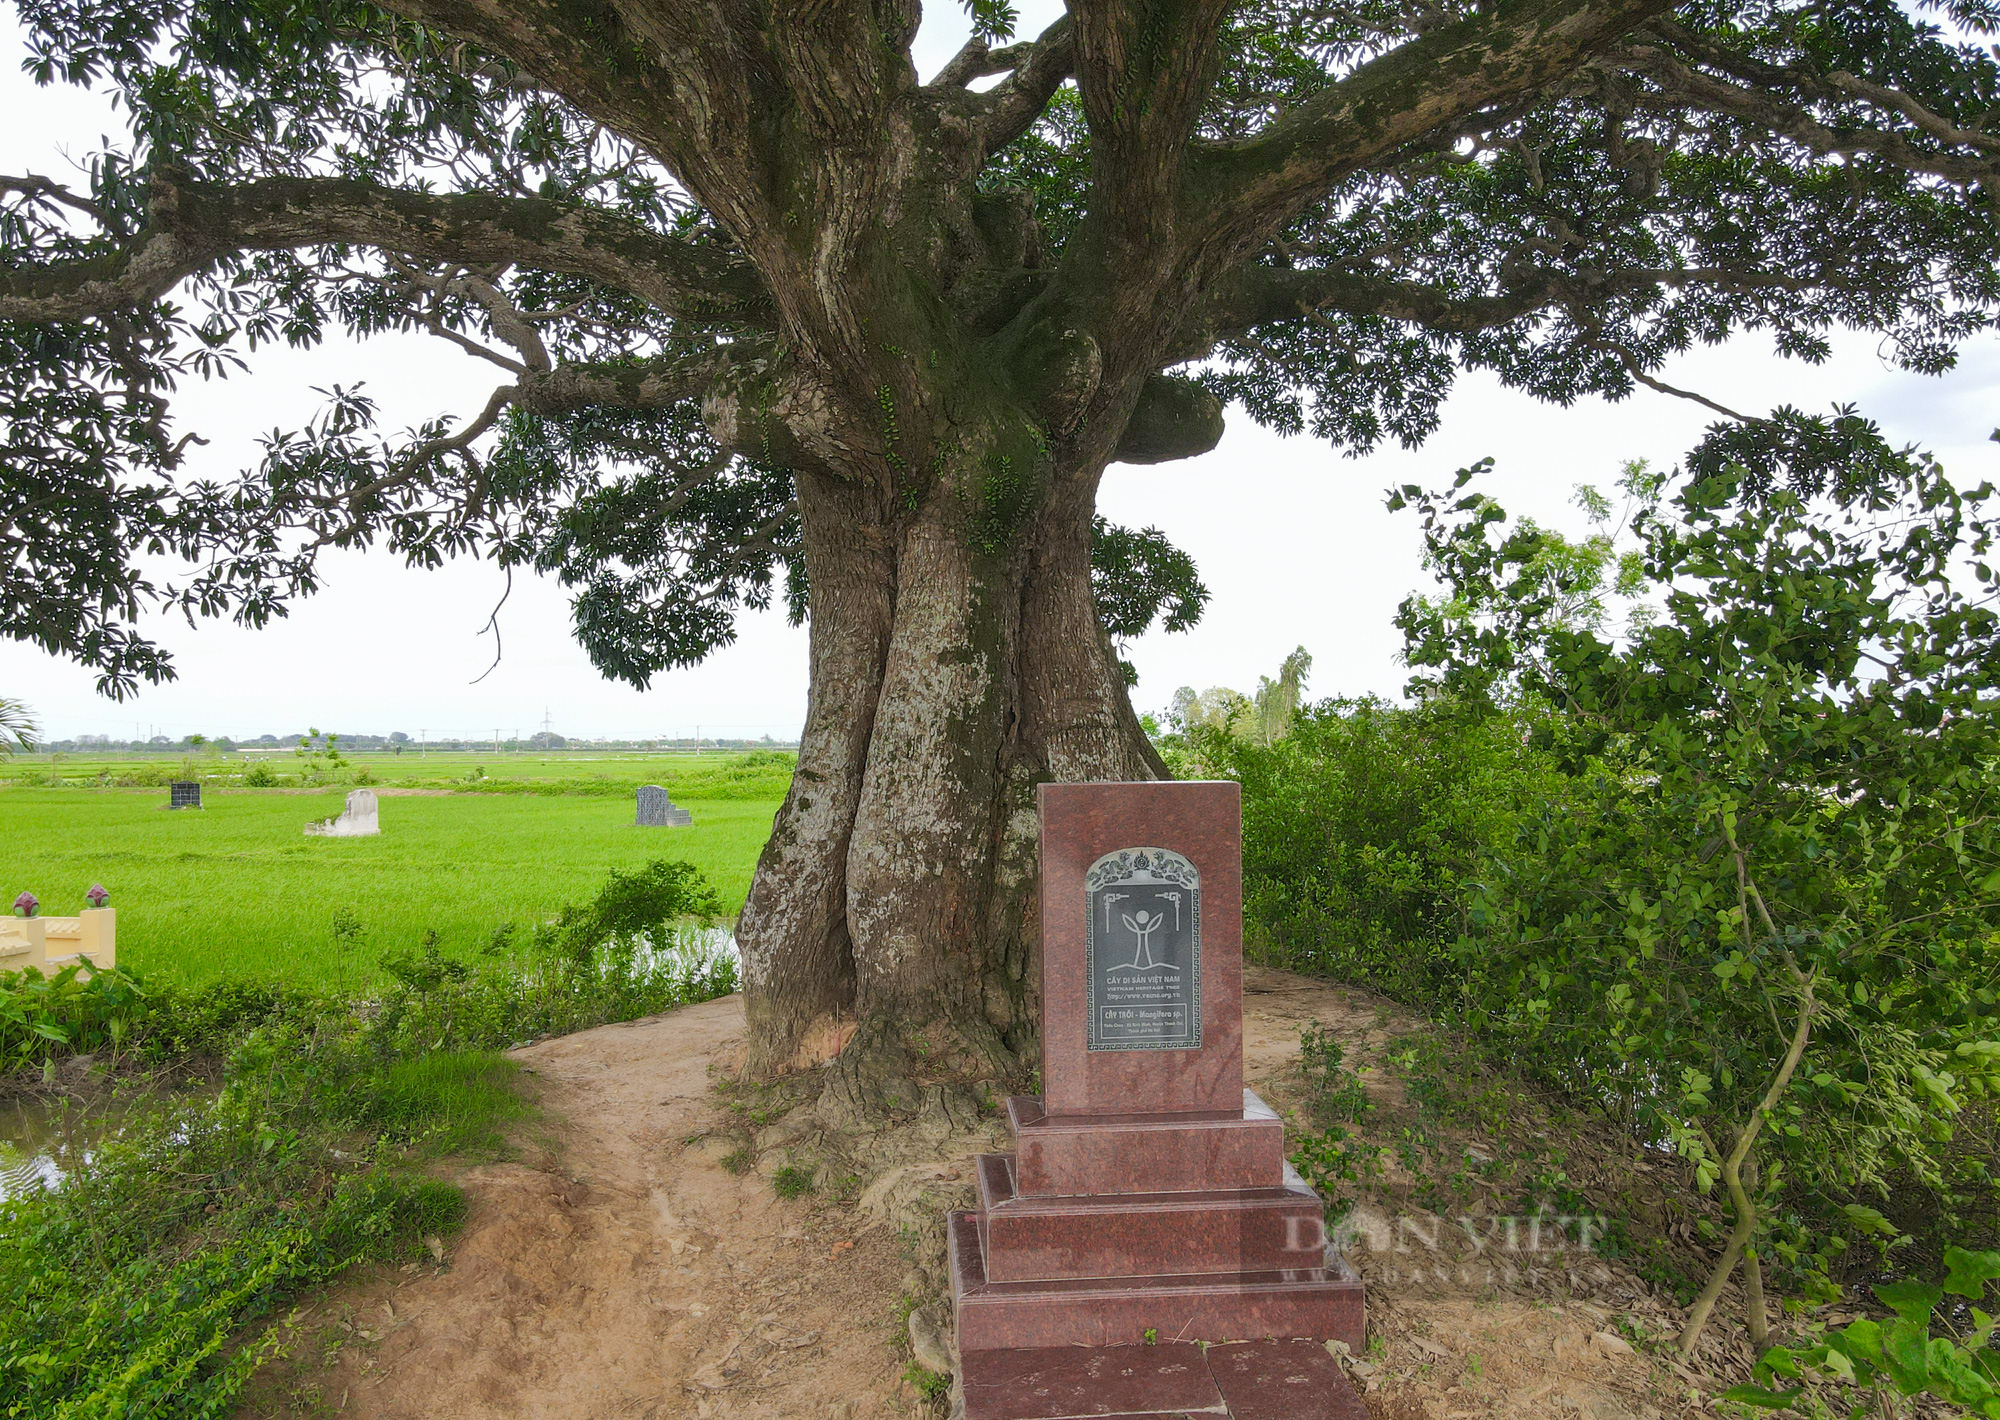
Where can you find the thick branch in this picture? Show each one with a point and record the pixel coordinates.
(193, 226)
(1011, 108)
(640, 384)
(1686, 86)
(1419, 89)
(1258, 295)
(1174, 419)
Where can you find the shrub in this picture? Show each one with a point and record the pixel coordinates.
(78, 1010)
(1360, 824)
(1763, 928)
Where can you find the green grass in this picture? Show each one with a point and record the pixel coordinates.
(237, 890)
(447, 1103)
(756, 774)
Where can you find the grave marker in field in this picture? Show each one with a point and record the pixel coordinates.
(184, 794)
(358, 820)
(656, 810)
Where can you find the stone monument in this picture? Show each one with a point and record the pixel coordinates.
(1146, 1247)
(184, 794)
(656, 810)
(358, 820)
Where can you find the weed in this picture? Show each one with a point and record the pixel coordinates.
(346, 929)
(791, 1181)
(1152, 1335)
(928, 1384)
(1333, 1092)
(739, 1160)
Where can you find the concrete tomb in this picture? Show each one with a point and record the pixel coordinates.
(185, 794)
(1146, 1246)
(656, 810)
(358, 820)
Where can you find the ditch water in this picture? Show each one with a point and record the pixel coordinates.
(41, 1137)
(28, 1147)
(39, 1134)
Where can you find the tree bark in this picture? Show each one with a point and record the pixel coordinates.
(893, 917)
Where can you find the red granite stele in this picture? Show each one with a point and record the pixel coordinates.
(1148, 1205)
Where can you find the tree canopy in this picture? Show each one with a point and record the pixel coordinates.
(618, 204)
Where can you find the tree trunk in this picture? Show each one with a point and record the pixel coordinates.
(956, 664)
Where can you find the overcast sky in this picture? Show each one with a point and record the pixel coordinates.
(1291, 537)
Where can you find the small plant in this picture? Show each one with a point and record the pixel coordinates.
(260, 776)
(346, 929)
(1152, 1335)
(427, 971)
(739, 1160)
(319, 756)
(791, 1181)
(929, 1384)
(1333, 1092)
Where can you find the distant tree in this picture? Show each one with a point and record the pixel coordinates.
(1277, 701)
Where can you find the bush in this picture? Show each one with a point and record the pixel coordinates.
(1764, 926)
(1359, 826)
(78, 1010)
(630, 952)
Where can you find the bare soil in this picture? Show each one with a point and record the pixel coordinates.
(623, 1269)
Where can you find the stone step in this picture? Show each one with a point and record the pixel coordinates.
(1151, 1153)
(1246, 1380)
(1026, 1238)
(1317, 1303)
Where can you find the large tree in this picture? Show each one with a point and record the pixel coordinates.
(767, 303)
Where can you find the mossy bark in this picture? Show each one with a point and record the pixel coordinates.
(957, 663)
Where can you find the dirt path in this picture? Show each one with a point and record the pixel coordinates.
(625, 1272)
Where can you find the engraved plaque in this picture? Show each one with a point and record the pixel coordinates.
(1142, 951)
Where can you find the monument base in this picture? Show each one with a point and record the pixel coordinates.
(1245, 1380)
(1112, 1240)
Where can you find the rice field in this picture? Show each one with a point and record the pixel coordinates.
(236, 889)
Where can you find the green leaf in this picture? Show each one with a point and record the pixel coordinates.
(1970, 1271)
(1906, 1354)
(1862, 1340)
(1912, 1301)
(1761, 1398)
(1868, 1220)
